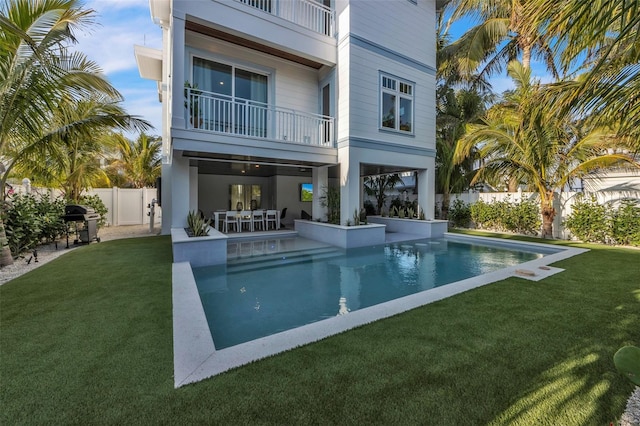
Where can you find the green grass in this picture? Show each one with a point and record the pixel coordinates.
(87, 338)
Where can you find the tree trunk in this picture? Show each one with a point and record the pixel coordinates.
(526, 55)
(5, 255)
(444, 210)
(548, 213)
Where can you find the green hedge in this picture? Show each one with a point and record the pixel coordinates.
(459, 215)
(521, 217)
(604, 223)
(31, 220)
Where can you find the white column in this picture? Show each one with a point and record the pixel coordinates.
(165, 194)
(349, 184)
(426, 188)
(180, 193)
(193, 188)
(178, 77)
(166, 96)
(320, 180)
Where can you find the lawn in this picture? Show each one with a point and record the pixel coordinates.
(87, 338)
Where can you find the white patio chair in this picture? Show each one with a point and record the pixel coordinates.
(245, 217)
(230, 219)
(257, 218)
(271, 217)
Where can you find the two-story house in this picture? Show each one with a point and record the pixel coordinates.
(261, 96)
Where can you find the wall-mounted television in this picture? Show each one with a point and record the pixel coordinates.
(306, 192)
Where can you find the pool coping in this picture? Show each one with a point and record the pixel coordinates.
(195, 356)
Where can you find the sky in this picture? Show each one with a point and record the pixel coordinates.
(120, 24)
(123, 23)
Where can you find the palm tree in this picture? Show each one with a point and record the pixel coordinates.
(377, 186)
(68, 154)
(139, 163)
(504, 33)
(542, 147)
(604, 36)
(36, 73)
(455, 110)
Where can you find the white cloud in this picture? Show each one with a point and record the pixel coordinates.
(120, 24)
(111, 42)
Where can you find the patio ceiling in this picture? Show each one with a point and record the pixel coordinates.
(379, 169)
(255, 169)
(217, 164)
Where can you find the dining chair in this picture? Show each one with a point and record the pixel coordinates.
(271, 217)
(257, 218)
(245, 217)
(231, 219)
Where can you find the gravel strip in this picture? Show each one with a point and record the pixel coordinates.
(631, 416)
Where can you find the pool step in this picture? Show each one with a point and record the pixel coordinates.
(271, 260)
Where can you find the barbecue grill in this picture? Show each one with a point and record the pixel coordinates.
(84, 220)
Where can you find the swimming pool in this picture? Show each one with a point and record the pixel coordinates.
(196, 357)
(260, 295)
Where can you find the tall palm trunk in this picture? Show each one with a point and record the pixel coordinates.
(548, 214)
(444, 211)
(5, 254)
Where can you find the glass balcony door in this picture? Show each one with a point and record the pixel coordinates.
(237, 100)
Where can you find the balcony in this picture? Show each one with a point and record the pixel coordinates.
(306, 13)
(223, 114)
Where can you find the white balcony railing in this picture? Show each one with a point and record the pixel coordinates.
(307, 13)
(223, 114)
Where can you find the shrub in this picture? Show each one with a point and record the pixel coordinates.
(96, 203)
(625, 223)
(331, 200)
(484, 215)
(395, 206)
(29, 220)
(588, 221)
(51, 226)
(459, 214)
(521, 217)
(370, 208)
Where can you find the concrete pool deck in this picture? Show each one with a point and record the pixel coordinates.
(195, 356)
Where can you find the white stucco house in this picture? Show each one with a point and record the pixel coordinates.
(261, 96)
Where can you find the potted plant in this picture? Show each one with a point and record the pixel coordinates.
(192, 103)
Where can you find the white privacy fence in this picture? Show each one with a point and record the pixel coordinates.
(126, 206)
(563, 202)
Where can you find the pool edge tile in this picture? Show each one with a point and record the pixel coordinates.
(192, 341)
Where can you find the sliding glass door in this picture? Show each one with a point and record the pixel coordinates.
(233, 100)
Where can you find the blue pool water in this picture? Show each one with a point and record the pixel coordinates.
(270, 290)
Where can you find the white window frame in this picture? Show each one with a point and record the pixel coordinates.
(401, 89)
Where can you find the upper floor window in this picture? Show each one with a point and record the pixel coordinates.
(229, 80)
(396, 100)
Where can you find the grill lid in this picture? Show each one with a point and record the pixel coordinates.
(78, 213)
(77, 209)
